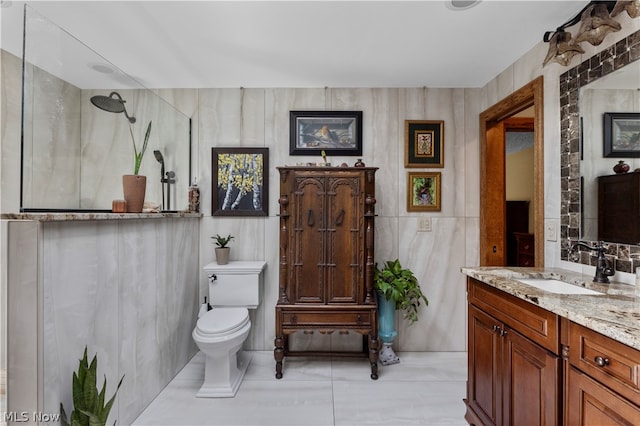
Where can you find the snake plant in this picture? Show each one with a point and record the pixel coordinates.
(139, 154)
(89, 407)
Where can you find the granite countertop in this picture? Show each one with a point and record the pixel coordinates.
(615, 314)
(78, 216)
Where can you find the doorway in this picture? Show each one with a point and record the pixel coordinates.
(494, 123)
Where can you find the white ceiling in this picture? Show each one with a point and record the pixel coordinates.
(180, 44)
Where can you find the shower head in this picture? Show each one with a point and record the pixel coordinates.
(111, 104)
(160, 159)
(159, 156)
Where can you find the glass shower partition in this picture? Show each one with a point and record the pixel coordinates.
(74, 153)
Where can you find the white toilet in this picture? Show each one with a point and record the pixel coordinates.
(233, 289)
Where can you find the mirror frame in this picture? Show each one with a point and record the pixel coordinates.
(624, 257)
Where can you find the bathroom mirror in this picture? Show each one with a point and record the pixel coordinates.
(618, 59)
(75, 151)
(617, 92)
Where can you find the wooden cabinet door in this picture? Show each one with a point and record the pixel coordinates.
(345, 242)
(307, 255)
(531, 383)
(592, 404)
(484, 386)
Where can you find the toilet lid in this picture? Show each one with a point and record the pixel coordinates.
(223, 320)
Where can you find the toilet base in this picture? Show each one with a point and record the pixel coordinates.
(223, 375)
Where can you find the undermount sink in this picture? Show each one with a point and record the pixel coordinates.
(556, 286)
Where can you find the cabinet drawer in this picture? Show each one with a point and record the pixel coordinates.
(526, 260)
(590, 403)
(525, 243)
(539, 325)
(614, 364)
(322, 319)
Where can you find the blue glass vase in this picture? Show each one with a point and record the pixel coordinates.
(386, 319)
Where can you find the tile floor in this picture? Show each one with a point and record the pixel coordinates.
(425, 389)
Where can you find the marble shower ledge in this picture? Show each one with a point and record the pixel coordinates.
(71, 216)
(615, 314)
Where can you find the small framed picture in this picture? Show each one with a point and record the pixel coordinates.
(621, 134)
(423, 192)
(240, 181)
(424, 143)
(334, 132)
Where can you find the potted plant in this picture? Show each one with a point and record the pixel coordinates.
(89, 406)
(397, 288)
(222, 251)
(134, 186)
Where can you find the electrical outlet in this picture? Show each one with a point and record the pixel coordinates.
(551, 230)
(424, 224)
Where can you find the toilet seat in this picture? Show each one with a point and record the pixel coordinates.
(219, 322)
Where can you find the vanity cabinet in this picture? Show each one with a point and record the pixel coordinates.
(619, 208)
(603, 383)
(326, 257)
(513, 360)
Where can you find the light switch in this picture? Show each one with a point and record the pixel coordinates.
(551, 230)
(424, 224)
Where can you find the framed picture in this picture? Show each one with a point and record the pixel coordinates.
(240, 181)
(334, 132)
(621, 134)
(423, 192)
(423, 143)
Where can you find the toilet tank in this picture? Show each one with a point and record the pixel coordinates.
(236, 283)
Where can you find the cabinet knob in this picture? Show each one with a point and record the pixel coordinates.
(600, 361)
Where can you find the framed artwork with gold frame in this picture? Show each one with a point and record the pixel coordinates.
(423, 191)
(424, 143)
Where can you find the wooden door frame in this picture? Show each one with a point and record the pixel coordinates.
(490, 224)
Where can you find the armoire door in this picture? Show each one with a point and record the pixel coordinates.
(344, 239)
(308, 240)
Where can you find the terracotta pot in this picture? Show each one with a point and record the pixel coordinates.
(134, 188)
(222, 255)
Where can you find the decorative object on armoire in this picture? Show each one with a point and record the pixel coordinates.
(423, 191)
(359, 163)
(240, 181)
(621, 167)
(222, 251)
(134, 188)
(423, 143)
(88, 405)
(326, 258)
(334, 132)
(396, 288)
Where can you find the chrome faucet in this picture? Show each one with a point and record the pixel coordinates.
(603, 266)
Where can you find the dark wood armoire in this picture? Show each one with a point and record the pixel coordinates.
(619, 208)
(326, 257)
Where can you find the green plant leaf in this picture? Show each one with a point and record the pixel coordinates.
(400, 285)
(89, 408)
(137, 156)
